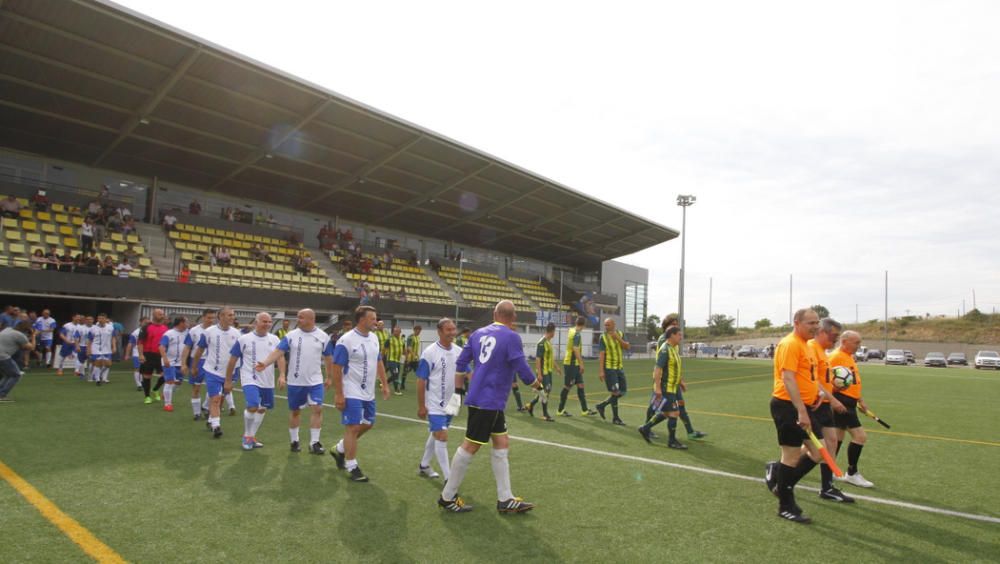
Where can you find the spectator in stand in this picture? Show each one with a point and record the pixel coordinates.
(387, 259)
(80, 264)
(229, 214)
(124, 211)
(92, 263)
(108, 266)
(66, 261)
(124, 268)
(88, 231)
(128, 227)
(105, 196)
(38, 260)
(212, 252)
(130, 254)
(185, 274)
(169, 221)
(401, 296)
(10, 207)
(95, 210)
(52, 258)
(348, 236)
(265, 255)
(260, 219)
(257, 252)
(223, 257)
(40, 200)
(307, 263)
(115, 222)
(194, 208)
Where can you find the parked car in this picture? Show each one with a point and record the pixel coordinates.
(747, 351)
(935, 359)
(861, 354)
(895, 356)
(910, 359)
(875, 354)
(958, 358)
(987, 359)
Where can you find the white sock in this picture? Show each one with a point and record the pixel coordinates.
(168, 394)
(95, 374)
(204, 403)
(104, 374)
(257, 420)
(229, 401)
(196, 406)
(248, 419)
(293, 434)
(340, 446)
(48, 358)
(76, 364)
(138, 378)
(441, 449)
(501, 472)
(428, 452)
(314, 435)
(351, 464)
(459, 464)
(215, 422)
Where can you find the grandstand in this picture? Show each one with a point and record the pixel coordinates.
(401, 279)
(195, 243)
(59, 229)
(538, 293)
(482, 289)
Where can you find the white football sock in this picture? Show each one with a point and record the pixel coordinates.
(204, 403)
(441, 449)
(215, 422)
(138, 378)
(168, 394)
(229, 401)
(293, 434)
(257, 420)
(105, 373)
(196, 406)
(428, 452)
(501, 472)
(248, 419)
(95, 374)
(48, 358)
(351, 464)
(459, 464)
(340, 446)
(314, 435)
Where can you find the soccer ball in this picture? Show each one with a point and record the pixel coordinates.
(842, 377)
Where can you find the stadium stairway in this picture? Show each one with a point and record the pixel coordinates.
(155, 239)
(333, 271)
(444, 285)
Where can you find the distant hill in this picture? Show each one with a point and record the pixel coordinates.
(973, 328)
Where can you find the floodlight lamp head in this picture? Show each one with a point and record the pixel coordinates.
(686, 200)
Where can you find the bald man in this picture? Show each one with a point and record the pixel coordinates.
(309, 351)
(257, 385)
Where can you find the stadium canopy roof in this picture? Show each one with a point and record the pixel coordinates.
(93, 82)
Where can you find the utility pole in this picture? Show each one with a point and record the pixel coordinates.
(684, 201)
(856, 314)
(709, 299)
(886, 327)
(789, 299)
(974, 299)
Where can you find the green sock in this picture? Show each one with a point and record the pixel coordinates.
(583, 398)
(654, 421)
(517, 398)
(563, 396)
(686, 420)
(614, 406)
(672, 428)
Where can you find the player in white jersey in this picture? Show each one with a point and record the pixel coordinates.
(356, 364)
(131, 349)
(196, 373)
(258, 387)
(82, 338)
(436, 369)
(308, 349)
(44, 328)
(102, 341)
(215, 343)
(171, 358)
(67, 334)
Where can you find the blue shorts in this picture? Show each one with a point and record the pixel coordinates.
(67, 350)
(438, 422)
(358, 412)
(301, 396)
(82, 355)
(259, 397)
(47, 344)
(94, 357)
(213, 384)
(197, 376)
(171, 374)
(135, 362)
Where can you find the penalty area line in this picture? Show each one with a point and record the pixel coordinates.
(708, 471)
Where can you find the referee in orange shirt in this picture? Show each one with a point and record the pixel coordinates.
(826, 338)
(851, 398)
(795, 397)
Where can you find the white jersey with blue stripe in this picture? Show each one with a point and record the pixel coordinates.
(133, 339)
(217, 342)
(437, 370)
(45, 326)
(359, 356)
(82, 335)
(250, 349)
(68, 333)
(100, 338)
(173, 344)
(306, 350)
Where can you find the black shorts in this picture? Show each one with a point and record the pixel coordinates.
(786, 422)
(152, 364)
(412, 365)
(822, 417)
(483, 424)
(848, 419)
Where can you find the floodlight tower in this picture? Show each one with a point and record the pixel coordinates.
(683, 201)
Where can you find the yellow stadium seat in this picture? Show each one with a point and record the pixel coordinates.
(71, 242)
(66, 230)
(26, 213)
(62, 218)
(48, 228)
(76, 220)
(44, 216)
(132, 238)
(16, 248)
(52, 240)
(9, 223)
(33, 238)
(12, 235)
(145, 262)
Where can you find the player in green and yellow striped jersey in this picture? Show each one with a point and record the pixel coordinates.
(412, 353)
(666, 386)
(612, 349)
(394, 348)
(573, 369)
(545, 365)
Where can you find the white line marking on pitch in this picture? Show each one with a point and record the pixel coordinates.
(709, 471)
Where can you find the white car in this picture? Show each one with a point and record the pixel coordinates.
(895, 356)
(987, 359)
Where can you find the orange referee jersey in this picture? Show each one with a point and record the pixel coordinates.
(841, 358)
(822, 368)
(793, 354)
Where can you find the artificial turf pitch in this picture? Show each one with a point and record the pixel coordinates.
(155, 487)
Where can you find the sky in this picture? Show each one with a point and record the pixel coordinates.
(826, 142)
